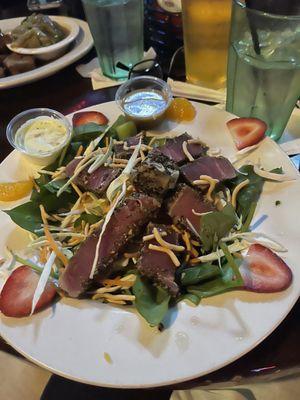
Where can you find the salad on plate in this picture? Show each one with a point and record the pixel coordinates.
(142, 219)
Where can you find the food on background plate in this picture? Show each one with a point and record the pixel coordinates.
(13, 63)
(17, 63)
(145, 221)
(37, 30)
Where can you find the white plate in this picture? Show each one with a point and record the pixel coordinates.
(71, 338)
(81, 45)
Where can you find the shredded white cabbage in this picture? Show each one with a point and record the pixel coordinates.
(90, 160)
(239, 155)
(102, 158)
(94, 143)
(106, 221)
(117, 183)
(256, 237)
(192, 227)
(42, 281)
(233, 248)
(271, 175)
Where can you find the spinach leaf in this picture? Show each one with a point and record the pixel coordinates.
(277, 170)
(71, 152)
(250, 193)
(193, 298)
(216, 225)
(88, 132)
(152, 302)
(42, 180)
(51, 202)
(27, 216)
(199, 273)
(224, 283)
(89, 218)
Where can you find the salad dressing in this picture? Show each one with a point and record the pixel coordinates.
(41, 135)
(145, 105)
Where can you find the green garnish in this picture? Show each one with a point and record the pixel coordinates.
(249, 218)
(231, 261)
(32, 265)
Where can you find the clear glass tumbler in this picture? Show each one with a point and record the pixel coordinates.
(117, 29)
(263, 78)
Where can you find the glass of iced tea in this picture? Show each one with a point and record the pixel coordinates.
(206, 25)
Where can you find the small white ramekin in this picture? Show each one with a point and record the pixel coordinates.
(22, 118)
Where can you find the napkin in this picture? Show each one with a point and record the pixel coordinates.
(93, 71)
(184, 89)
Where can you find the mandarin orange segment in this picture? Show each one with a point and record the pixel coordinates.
(14, 190)
(180, 110)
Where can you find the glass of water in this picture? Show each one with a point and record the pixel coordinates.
(117, 29)
(263, 74)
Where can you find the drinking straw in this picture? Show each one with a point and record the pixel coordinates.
(281, 7)
(249, 5)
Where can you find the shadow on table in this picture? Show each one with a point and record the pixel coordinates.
(62, 389)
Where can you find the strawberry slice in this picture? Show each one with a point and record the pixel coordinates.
(17, 293)
(246, 131)
(85, 117)
(264, 271)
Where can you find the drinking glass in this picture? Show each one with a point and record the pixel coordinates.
(206, 26)
(117, 29)
(263, 78)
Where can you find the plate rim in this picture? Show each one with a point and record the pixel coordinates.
(168, 382)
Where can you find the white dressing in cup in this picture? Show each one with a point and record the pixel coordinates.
(40, 134)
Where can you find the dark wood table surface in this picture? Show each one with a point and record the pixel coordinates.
(66, 92)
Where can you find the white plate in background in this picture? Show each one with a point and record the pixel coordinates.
(81, 45)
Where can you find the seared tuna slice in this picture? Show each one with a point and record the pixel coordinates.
(173, 149)
(216, 167)
(75, 278)
(122, 151)
(156, 174)
(127, 221)
(96, 182)
(157, 265)
(182, 204)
